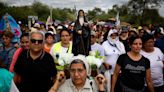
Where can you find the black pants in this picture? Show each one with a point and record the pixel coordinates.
(118, 86)
(157, 89)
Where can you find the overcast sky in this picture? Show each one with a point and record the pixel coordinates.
(80, 4)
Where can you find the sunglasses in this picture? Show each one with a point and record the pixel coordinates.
(34, 41)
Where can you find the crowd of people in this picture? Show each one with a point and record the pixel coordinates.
(133, 58)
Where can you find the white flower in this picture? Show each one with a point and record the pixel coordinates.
(92, 60)
(98, 62)
(92, 53)
(61, 62)
(63, 58)
(67, 57)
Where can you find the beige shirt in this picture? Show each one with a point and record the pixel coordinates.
(69, 87)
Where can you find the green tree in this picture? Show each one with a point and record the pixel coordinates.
(136, 12)
(3, 8)
(19, 13)
(138, 7)
(43, 11)
(92, 14)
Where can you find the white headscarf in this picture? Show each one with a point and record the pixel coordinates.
(111, 40)
(115, 42)
(82, 58)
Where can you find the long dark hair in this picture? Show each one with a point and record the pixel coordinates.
(85, 20)
(132, 38)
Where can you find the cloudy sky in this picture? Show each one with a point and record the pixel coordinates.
(80, 4)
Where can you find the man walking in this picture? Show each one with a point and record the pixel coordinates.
(35, 68)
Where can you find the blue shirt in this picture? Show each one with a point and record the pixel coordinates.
(6, 55)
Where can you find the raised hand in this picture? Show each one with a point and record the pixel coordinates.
(61, 77)
(100, 81)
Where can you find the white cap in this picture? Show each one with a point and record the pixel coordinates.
(37, 25)
(59, 27)
(50, 32)
(54, 30)
(66, 25)
(72, 24)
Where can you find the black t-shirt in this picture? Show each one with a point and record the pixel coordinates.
(133, 72)
(36, 75)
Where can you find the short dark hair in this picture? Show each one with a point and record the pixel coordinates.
(48, 34)
(24, 34)
(132, 31)
(65, 29)
(146, 37)
(8, 34)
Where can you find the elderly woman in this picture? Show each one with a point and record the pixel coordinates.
(156, 58)
(113, 48)
(79, 81)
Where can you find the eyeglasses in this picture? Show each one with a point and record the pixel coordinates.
(34, 41)
(79, 71)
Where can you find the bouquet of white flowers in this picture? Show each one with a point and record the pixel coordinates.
(63, 60)
(95, 60)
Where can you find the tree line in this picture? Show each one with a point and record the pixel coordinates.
(135, 12)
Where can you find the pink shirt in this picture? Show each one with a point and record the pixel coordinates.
(14, 59)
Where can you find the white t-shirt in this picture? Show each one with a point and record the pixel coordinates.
(156, 65)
